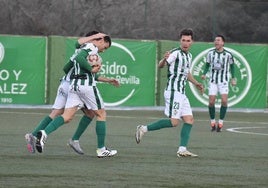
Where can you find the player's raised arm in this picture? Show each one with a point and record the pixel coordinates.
(163, 61)
(88, 39)
(112, 81)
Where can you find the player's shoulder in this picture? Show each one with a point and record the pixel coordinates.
(228, 52)
(89, 46)
(175, 50)
(212, 50)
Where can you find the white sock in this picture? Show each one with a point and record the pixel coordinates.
(182, 148)
(102, 149)
(144, 128)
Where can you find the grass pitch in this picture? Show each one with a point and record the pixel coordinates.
(226, 159)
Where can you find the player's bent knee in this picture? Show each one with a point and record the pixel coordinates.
(175, 122)
(67, 119)
(188, 120)
(101, 114)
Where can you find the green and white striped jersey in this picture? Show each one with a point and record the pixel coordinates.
(67, 76)
(179, 64)
(69, 66)
(81, 65)
(219, 65)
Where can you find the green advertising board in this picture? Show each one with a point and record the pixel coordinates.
(250, 71)
(22, 69)
(133, 64)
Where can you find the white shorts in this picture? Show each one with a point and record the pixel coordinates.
(177, 105)
(84, 96)
(62, 95)
(222, 88)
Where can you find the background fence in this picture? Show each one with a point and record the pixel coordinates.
(243, 21)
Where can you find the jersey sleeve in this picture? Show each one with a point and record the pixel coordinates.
(208, 60)
(172, 57)
(232, 70)
(81, 59)
(77, 45)
(231, 60)
(207, 65)
(67, 67)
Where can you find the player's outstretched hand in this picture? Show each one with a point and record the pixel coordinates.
(114, 82)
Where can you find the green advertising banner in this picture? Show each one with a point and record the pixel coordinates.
(133, 63)
(250, 71)
(22, 69)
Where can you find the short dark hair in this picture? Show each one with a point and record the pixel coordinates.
(108, 39)
(221, 36)
(188, 32)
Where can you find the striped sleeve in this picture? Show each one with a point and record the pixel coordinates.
(81, 59)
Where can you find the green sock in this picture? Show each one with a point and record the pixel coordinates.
(162, 123)
(185, 134)
(223, 110)
(101, 133)
(83, 124)
(42, 125)
(55, 124)
(211, 110)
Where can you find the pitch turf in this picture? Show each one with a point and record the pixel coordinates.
(226, 159)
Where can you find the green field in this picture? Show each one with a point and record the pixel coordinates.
(226, 159)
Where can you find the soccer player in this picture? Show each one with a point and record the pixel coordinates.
(177, 106)
(83, 92)
(60, 101)
(220, 62)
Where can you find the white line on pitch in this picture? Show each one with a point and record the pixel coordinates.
(235, 130)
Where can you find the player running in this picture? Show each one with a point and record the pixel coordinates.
(177, 104)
